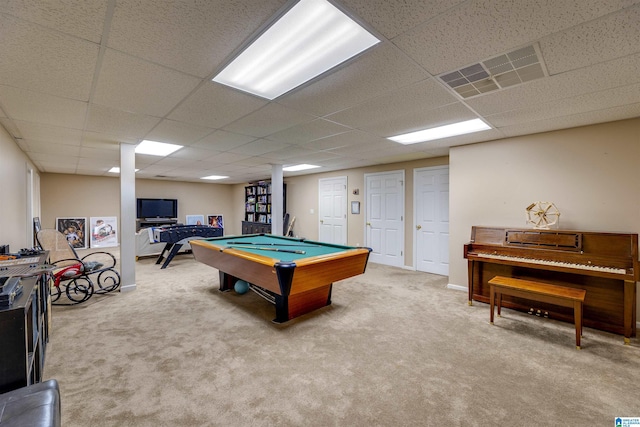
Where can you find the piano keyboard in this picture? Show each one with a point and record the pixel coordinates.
(553, 263)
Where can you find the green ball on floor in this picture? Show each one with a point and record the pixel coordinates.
(241, 287)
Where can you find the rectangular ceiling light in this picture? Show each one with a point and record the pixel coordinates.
(116, 169)
(311, 38)
(301, 167)
(155, 148)
(214, 177)
(446, 131)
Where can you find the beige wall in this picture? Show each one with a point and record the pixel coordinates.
(591, 173)
(302, 197)
(86, 196)
(17, 223)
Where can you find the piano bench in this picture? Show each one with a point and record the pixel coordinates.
(541, 292)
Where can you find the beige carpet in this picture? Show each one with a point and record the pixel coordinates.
(396, 348)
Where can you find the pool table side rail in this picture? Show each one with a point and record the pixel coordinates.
(309, 272)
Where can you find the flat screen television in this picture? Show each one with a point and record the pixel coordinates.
(157, 208)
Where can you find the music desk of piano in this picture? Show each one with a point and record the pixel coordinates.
(605, 265)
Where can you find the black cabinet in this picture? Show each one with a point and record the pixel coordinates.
(24, 333)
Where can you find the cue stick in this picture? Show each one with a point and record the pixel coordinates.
(275, 250)
(270, 244)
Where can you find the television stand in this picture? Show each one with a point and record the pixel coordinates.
(154, 222)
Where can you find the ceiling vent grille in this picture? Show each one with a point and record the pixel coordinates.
(500, 72)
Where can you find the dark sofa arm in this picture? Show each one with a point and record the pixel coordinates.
(37, 405)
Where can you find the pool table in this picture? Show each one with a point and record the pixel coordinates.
(296, 275)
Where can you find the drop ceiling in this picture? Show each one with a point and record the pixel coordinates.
(78, 78)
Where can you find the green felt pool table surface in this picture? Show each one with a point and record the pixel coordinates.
(284, 249)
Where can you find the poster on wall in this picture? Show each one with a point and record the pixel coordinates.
(195, 220)
(75, 230)
(103, 231)
(215, 221)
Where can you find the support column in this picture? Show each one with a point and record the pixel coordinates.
(127, 217)
(277, 200)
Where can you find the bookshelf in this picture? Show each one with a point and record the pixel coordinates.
(257, 208)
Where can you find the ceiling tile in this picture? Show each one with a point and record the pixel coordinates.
(11, 127)
(103, 141)
(382, 69)
(45, 61)
(194, 153)
(419, 120)
(391, 18)
(194, 37)
(148, 89)
(609, 38)
(29, 106)
(353, 137)
(53, 148)
(103, 154)
(215, 106)
(267, 120)
(581, 119)
(569, 106)
(180, 133)
(49, 133)
(419, 97)
(259, 147)
(309, 131)
(223, 141)
(605, 75)
(120, 123)
(496, 26)
(79, 18)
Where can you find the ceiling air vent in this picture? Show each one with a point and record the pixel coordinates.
(502, 71)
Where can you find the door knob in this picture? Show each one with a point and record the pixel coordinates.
(418, 227)
(322, 221)
(368, 223)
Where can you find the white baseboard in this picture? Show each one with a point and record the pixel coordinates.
(128, 288)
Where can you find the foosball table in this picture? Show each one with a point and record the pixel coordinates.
(175, 237)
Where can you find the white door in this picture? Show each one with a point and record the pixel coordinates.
(332, 210)
(385, 217)
(431, 201)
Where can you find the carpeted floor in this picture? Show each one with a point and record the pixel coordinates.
(396, 348)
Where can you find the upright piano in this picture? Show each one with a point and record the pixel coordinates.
(603, 264)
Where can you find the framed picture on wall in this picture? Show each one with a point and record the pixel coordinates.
(103, 231)
(75, 230)
(195, 220)
(215, 221)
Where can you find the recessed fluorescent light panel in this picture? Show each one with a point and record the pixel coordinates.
(311, 38)
(155, 148)
(116, 169)
(296, 168)
(214, 177)
(454, 129)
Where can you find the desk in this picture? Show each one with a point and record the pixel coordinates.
(297, 283)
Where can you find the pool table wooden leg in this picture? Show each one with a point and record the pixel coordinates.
(227, 281)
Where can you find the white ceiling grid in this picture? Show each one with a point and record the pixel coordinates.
(79, 77)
